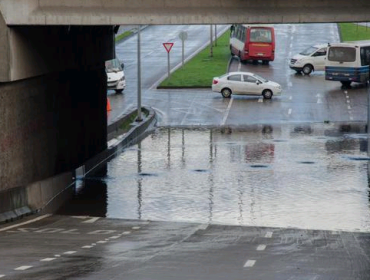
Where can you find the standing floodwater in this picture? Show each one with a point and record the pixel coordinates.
(306, 176)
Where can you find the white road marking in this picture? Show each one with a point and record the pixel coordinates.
(115, 237)
(90, 221)
(57, 256)
(102, 241)
(80, 217)
(2, 275)
(334, 232)
(87, 247)
(227, 112)
(47, 259)
(351, 118)
(135, 228)
(269, 234)
(126, 232)
(349, 107)
(26, 223)
(290, 97)
(290, 84)
(239, 66)
(69, 252)
(25, 267)
(289, 111)
(261, 247)
(345, 92)
(260, 100)
(249, 263)
(348, 101)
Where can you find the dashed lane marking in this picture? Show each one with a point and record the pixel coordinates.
(90, 221)
(2, 275)
(249, 263)
(69, 252)
(102, 241)
(26, 223)
(289, 111)
(87, 247)
(24, 267)
(260, 100)
(135, 228)
(268, 234)
(47, 259)
(261, 247)
(126, 232)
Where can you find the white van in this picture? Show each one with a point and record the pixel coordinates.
(115, 75)
(311, 59)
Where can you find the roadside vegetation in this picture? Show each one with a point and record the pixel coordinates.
(122, 36)
(354, 32)
(199, 71)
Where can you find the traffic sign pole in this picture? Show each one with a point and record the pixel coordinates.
(168, 47)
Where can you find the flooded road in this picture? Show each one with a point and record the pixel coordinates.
(310, 176)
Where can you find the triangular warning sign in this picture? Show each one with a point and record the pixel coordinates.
(168, 46)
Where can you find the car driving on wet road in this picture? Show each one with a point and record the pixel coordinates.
(245, 83)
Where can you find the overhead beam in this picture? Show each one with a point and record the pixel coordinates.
(120, 12)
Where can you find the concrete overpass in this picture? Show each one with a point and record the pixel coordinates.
(53, 82)
(119, 12)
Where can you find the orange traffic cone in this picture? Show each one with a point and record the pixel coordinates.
(108, 105)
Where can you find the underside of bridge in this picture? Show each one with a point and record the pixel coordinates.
(53, 81)
(119, 12)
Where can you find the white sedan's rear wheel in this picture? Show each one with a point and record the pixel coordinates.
(226, 92)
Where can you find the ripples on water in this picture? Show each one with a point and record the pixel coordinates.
(285, 176)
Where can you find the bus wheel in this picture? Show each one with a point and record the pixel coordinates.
(226, 92)
(267, 94)
(307, 69)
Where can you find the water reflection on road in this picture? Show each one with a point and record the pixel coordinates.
(306, 176)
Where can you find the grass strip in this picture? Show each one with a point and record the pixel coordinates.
(354, 32)
(199, 71)
(123, 35)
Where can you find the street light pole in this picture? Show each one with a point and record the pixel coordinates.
(138, 77)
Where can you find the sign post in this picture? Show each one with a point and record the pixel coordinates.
(168, 47)
(183, 36)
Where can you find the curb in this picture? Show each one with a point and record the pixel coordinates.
(117, 141)
(48, 193)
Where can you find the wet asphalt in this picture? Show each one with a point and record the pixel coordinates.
(240, 188)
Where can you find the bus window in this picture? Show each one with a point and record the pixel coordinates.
(260, 35)
(342, 54)
(365, 56)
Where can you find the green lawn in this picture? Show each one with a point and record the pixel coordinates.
(123, 35)
(354, 32)
(200, 70)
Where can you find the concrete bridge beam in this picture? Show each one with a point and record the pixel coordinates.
(120, 12)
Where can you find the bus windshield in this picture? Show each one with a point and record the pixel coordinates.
(113, 65)
(261, 35)
(342, 54)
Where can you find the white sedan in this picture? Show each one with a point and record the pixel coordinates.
(245, 83)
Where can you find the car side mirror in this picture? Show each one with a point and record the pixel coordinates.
(258, 82)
